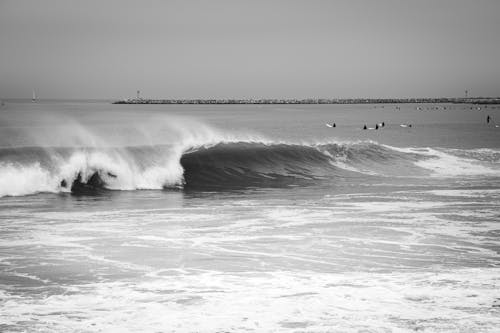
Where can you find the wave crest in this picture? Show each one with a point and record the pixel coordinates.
(226, 164)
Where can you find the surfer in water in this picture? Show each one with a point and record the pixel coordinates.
(488, 119)
(364, 127)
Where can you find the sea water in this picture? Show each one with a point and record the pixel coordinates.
(227, 218)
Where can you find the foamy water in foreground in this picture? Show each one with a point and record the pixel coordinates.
(253, 232)
(402, 261)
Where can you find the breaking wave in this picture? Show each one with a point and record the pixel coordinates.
(226, 164)
(183, 153)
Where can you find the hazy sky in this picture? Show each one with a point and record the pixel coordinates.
(243, 49)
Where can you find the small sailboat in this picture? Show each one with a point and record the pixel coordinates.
(33, 99)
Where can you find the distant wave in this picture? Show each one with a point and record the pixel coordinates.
(226, 165)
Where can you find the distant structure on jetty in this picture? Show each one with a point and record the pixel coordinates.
(475, 100)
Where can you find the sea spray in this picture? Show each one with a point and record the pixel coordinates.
(172, 151)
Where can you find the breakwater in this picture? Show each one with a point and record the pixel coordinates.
(478, 100)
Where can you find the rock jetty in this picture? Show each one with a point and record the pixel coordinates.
(476, 100)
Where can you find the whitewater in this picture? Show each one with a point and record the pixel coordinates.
(224, 164)
(146, 218)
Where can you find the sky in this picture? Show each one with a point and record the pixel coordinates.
(108, 49)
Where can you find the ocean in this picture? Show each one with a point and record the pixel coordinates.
(249, 218)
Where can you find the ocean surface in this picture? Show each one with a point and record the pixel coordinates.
(249, 218)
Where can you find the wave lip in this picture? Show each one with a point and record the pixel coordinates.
(245, 164)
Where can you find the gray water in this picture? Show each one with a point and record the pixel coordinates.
(249, 218)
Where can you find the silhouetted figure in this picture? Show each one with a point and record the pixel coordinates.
(383, 124)
(409, 125)
(364, 127)
(376, 126)
(334, 125)
(488, 119)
